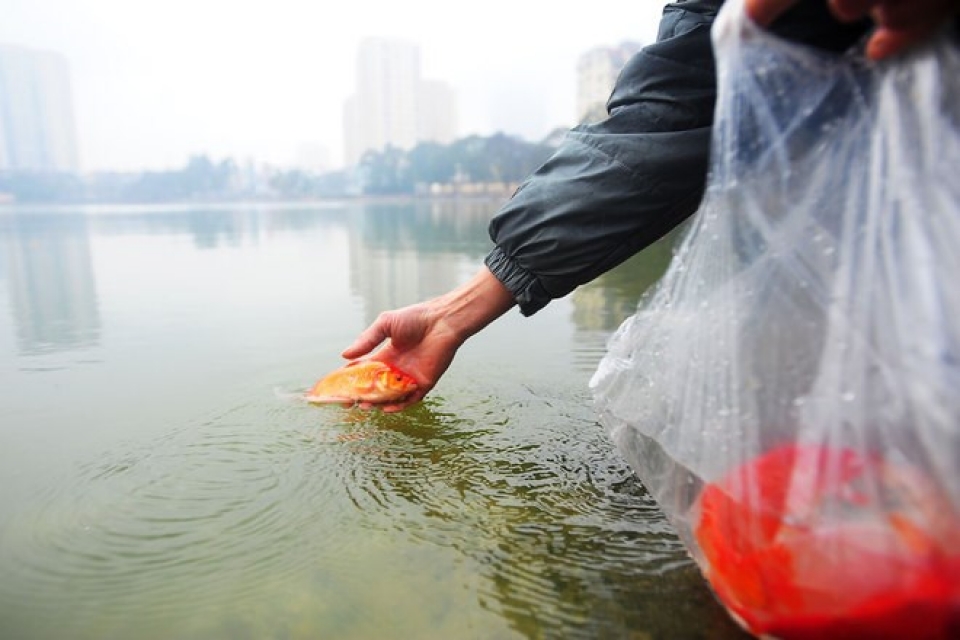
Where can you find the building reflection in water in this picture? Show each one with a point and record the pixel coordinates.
(603, 304)
(404, 253)
(51, 284)
(599, 307)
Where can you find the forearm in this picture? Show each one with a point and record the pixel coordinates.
(616, 186)
(470, 307)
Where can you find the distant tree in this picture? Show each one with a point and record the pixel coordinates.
(498, 158)
(37, 186)
(386, 172)
(468, 154)
(332, 184)
(200, 178)
(430, 162)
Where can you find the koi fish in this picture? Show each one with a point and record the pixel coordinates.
(362, 381)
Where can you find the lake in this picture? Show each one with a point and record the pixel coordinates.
(160, 478)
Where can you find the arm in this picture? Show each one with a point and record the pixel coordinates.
(615, 187)
(610, 190)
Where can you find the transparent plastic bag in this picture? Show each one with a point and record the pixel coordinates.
(789, 392)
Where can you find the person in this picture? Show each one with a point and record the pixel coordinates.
(614, 187)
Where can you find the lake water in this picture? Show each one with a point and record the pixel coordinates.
(159, 477)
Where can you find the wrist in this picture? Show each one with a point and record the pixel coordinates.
(469, 308)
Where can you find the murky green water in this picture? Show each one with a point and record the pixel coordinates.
(159, 479)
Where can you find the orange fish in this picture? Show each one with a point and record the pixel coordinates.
(363, 381)
(807, 542)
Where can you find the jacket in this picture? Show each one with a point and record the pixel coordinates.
(614, 187)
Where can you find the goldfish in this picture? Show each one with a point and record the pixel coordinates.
(809, 541)
(362, 381)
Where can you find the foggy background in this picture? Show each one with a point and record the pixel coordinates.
(155, 83)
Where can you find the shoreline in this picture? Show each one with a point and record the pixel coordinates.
(13, 206)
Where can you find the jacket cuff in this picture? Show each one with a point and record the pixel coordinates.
(524, 286)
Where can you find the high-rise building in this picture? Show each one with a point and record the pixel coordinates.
(392, 105)
(37, 128)
(597, 72)
(437, 112)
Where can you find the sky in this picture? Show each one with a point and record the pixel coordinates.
(156, 82)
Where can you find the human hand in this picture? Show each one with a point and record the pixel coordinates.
(900, 24)
(418, 342)
(423, 338)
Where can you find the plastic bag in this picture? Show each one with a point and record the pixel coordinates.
(789, 392)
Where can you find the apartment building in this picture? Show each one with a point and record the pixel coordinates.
(392, 105)
(37, 126)
(597, 71)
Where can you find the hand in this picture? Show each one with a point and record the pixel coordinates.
(900, 23)
(419, 342)
(423, 338)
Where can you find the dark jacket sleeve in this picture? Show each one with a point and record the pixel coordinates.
(614, 187)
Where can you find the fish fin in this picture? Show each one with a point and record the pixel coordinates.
(329, 399)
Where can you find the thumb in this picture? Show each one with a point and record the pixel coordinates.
(763, 12)
(367, 341)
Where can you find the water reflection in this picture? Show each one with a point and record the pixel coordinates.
(600, 306)
(566, 539)
(398, 254)
(285, 520)
(50, 282)
(213, 226)
(603, 304)
(404, 253)
(495, 510)
(458, 226)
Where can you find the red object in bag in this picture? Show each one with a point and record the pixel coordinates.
(810, 542)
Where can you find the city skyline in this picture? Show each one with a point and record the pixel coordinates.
(37, 124)
(155, 85)
(393, 104)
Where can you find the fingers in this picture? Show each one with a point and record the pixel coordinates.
(394, 407)
(850, 10)
(888, 42)
(902, 24)
(367, 341)
(400, 406)
(763, 12)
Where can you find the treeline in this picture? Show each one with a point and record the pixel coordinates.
(498, 158)
(476, 159)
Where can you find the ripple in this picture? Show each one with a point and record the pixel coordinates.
(205, 514)
(518, 491)
(531, 492)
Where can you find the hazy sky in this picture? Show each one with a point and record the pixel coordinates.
(154, 82)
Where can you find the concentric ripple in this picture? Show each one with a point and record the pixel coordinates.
(266, 514)
(209, 514)
(534, 496)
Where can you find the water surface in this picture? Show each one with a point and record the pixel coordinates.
(160, 479)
